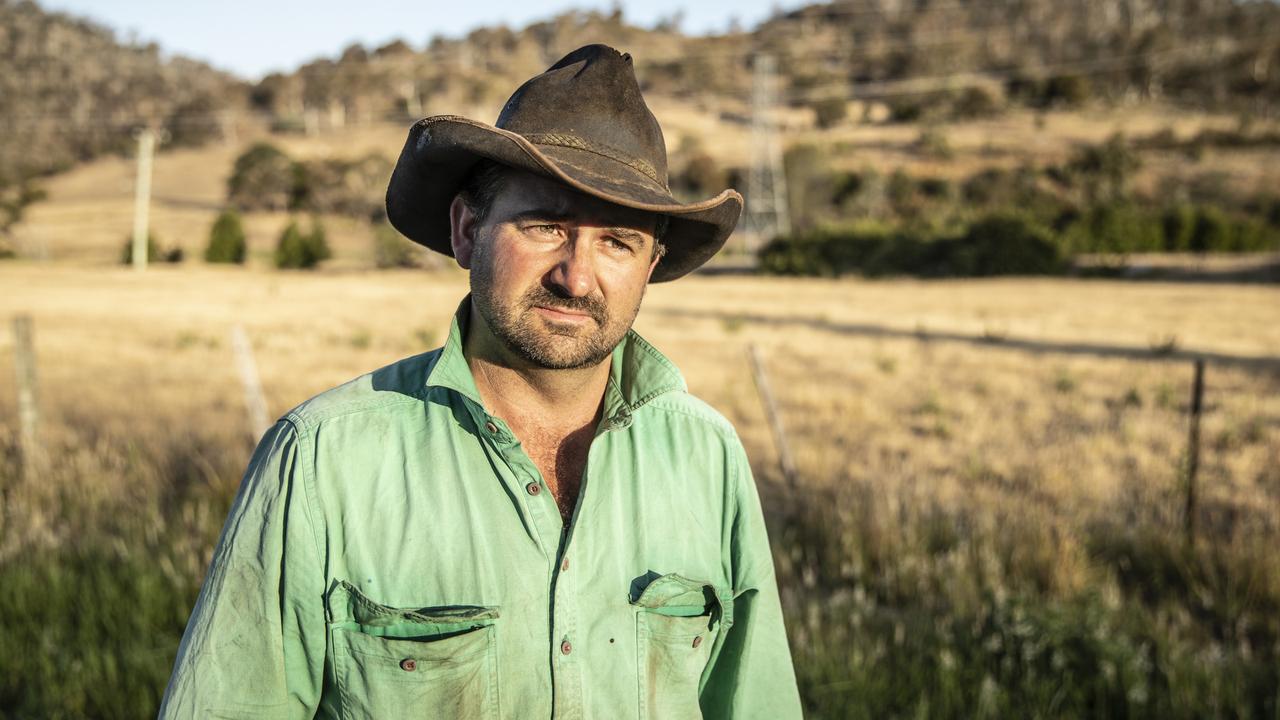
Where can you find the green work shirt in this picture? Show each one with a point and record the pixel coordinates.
(393, 552)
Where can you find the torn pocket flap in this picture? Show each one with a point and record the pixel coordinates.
(348, 605)
(677, 596)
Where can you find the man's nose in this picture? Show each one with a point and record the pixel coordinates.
(574, 273)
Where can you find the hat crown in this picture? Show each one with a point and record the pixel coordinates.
(591, 100)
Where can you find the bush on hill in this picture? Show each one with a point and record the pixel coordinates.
(226, 239)
(997, 244)
(264, 178)
(302, 251)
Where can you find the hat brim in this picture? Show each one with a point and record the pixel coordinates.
(441, 150)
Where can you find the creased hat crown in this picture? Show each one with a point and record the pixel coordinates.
(590, 101)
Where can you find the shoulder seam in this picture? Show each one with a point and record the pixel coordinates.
(721, 424)
(305, 460)
(311, 418)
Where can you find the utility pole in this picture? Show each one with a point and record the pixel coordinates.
(142, 197)
(767, 212)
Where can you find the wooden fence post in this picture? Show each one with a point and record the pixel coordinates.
(1193, 453)
(28, 396)
(255, 404)
(773, 416)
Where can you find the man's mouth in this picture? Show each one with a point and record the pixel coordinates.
(563, 314)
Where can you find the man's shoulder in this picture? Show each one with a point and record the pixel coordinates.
(683, 406)
(401, 382)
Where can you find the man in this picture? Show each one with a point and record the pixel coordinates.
(536, 520)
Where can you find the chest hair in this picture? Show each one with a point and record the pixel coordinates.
(562, 461)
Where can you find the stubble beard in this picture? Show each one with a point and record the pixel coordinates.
(546, 344)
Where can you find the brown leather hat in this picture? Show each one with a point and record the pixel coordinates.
(582, 122)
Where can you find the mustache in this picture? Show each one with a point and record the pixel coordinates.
(593, 307)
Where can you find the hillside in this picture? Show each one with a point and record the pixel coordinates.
(71, 90)
(948, 58)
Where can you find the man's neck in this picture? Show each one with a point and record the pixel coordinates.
(524, 394)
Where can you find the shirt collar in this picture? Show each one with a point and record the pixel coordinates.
(638, 373)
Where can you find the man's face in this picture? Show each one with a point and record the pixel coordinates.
(557, 276)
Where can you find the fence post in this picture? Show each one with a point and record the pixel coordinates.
(1193, 453)
(142, 199)
(773, 416)
(28, 397)
(255, 404)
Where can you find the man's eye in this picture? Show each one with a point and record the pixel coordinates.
(545, 229)
(617, 244)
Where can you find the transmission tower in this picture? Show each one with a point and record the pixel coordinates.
(766, 211)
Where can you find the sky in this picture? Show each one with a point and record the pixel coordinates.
(252, 38)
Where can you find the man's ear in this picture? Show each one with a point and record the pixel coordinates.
(462, 232)
(653, 264)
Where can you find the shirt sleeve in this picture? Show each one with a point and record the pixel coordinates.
(750, 674)
(255, 644)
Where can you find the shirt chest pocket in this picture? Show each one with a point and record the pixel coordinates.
(678, 622)
(430, 662)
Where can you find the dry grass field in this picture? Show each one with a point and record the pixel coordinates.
(946, 471)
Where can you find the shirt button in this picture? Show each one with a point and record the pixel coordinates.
(533, 488)
(408, 665)
(697, 641)
(565, 648)
(491, 427)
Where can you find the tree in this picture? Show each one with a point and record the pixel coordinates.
(303, 251)
(226, 239)
(263, 178)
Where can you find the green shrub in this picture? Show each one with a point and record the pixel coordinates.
(349, 187)
(976, 102)
(830, 112)
(933, 143)
(1005, 244)
(999, 244)
(1116, 228)
(1178, 224)
(1106, 168)
(1212, 231)
(226, 239)
(302, 251)
(1071, 90)
(936, 188)
(906, 109)
(154, 252)
(1209, 229)
(264, 178)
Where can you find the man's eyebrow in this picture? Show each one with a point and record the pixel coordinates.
(622, 233)
(626, 234)
(539, 214)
